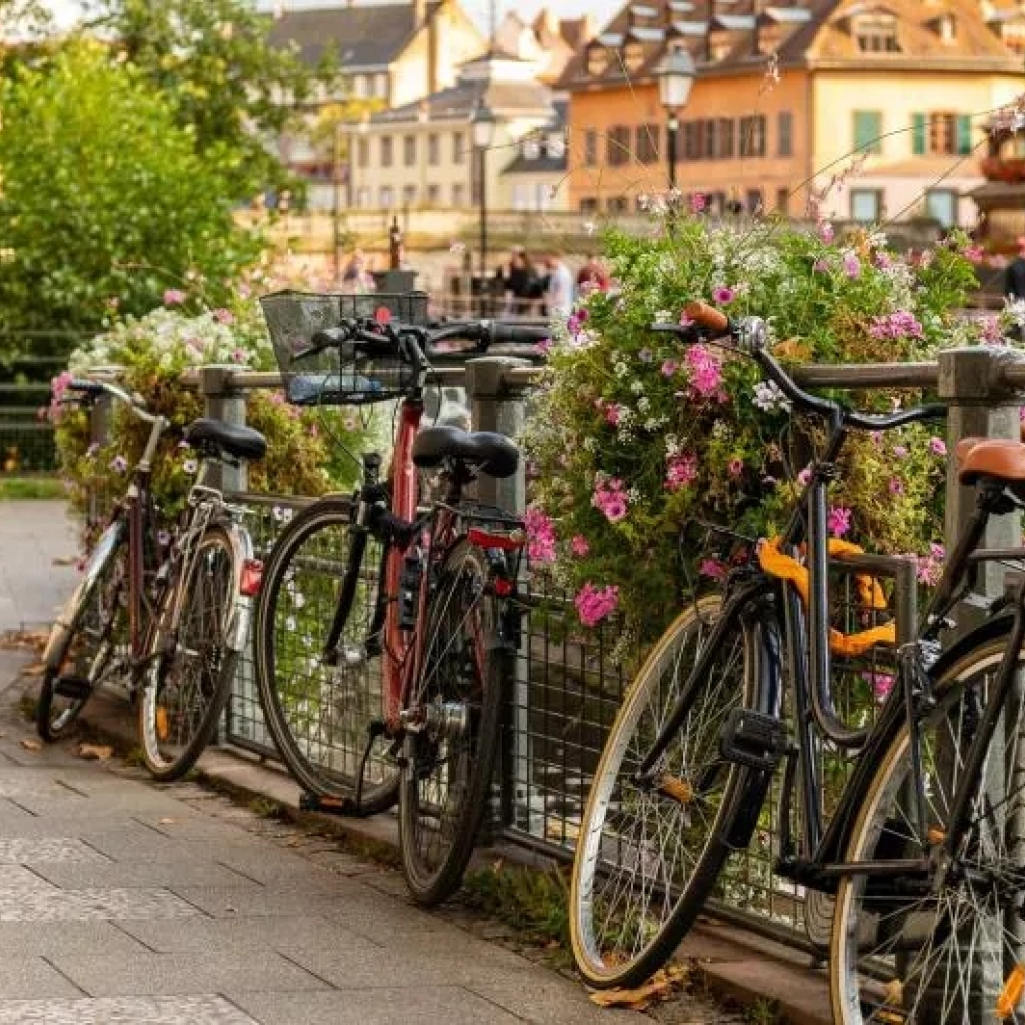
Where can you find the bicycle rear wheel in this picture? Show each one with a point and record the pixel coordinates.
(646, 860)
(450, 744)
(939, 947)
(83, 645)
(319, 714)
(191, 662)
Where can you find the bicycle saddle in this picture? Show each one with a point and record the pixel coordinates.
(1001, 458)
(241, 442)
(493, 454)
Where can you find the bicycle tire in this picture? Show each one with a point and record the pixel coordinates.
(457, 697)
(83, 632)
(317, 715)
(191, 664)
(895, 944)
(621, 928)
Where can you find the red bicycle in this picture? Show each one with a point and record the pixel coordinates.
(388, 623)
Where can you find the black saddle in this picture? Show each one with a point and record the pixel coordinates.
(493, 454)
(209, 435)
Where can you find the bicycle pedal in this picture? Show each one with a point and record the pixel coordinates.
(76, 687)
(328, 805)
(754, 739)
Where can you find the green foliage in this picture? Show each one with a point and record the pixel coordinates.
(105, 199)
(640, 442)
(153, 353)
(213, 60)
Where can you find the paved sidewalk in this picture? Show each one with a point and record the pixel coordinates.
(126, 902)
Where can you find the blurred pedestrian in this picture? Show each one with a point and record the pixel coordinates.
(519, 283)
(592, 276)
(356, 277)
(559, 293)
(1014, 275)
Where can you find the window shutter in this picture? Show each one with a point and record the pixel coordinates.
(918, 136)
(964, 133)
(867, 128)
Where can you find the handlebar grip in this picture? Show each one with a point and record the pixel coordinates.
(85, 386)
(519, 334)
(707, 316)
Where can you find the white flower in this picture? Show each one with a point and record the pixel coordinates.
(643, 403)
(769, 398)
(663, 316)
(637, 387)
(620, 369)
(1014, 311)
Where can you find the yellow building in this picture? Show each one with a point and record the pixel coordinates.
(874, 108)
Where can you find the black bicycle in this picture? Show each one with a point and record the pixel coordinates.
(922, 857)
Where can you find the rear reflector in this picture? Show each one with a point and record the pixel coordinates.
(252, 574)
(504, 542)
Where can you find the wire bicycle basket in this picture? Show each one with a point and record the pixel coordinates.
(329, 377)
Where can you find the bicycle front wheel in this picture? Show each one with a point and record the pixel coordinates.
(452, 732)
(84, 642)
(191, 660)
(318, 714)
(940, 946)
(648, 858)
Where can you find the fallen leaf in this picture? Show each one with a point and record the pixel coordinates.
(95, 752)
(63, 561)
(165, 822)
(658, 987)
(36, 669)
(31, 745)
(793, 348)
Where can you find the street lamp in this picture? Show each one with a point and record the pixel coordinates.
(482, 128)
(675, 74)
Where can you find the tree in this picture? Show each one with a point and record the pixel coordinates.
(214, 59)
(105, 199)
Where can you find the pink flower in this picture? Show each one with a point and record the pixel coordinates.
(593, 604)
(613, 412)
(610, 497)
(239, 355)
(937, 446)
(681, 470)
(851, 265)
(540, 536)
(820, 266)
(578, 545)
(882, 684)
(839, 520)
(698, 202)
(826, 232)
(896, 486)
(724, 295)
(669, 367)
(900, 452)
(685, 321)
(804, 477)
(174, 297)
(714, 568)
(223, 316)
(735, 467)
(900, 324)
(543, 347)
(974, 254)
(705, 373)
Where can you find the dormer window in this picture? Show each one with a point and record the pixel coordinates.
(597, 61)
(531, 148)
(556, 146)
(633, 55)
(877, 33)
(947, 27)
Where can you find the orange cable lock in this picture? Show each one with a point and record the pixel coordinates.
(870, 594)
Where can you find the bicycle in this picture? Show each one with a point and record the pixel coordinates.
(171, 617)
(922, 854)
(400, 698)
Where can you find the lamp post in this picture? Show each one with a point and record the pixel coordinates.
(336, 201)
(482, 127)
(675, 75)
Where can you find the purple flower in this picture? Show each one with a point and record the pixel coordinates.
(937, 446)
(724, 295)
(826, 232)
(714, 568)
(882, 684)
(119, 464)
(223, 316)
(851, 265)
(698, 202)
(174, 297)
(669, 367)
(820, 266)
(578, 545)
(896, 486)
(645, 355)
(839, 520)
(900, 324)
(900, 452)
(543, 347)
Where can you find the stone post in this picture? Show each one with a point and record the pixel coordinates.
(223, 402)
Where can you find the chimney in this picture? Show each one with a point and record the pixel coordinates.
(419, 12)
(433, 44)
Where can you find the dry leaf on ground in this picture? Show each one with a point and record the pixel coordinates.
(24, 639)
(659, 987)
(36, 669)
(165, 822)
(95, 752)
(30, 744)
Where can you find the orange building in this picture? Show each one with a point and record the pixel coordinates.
(785, 94)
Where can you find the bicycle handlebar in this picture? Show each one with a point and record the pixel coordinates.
(750, 337)
(94, 389)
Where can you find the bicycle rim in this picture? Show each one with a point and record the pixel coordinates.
(92, 646)
(944, 947)
(450, 749)
(192, 666)
(646, 860)
(318, 715)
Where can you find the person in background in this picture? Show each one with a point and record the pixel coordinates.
(592, 276)
(1014, 275)
(559, 295)
(357, 277)
(519, 282)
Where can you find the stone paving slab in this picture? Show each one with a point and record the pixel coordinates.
(46, 939)
(188, 1010)
(130, 874)
(56, 905)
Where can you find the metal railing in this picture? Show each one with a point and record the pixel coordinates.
(568, 686)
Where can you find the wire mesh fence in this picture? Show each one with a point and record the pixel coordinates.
(26, 437)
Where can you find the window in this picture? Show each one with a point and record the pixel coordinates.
(941, 205)
(964, 134)
(618, 205)
(458, 147)
(458, 194)
(785, 134)
(363, 152)
(943, 134)
(783, 202)
(709, 133)
(408, 195)
(619, 146)
(752, 136)
(754, 201)
(947, 26)
(556, 146)
(691, 137)
(359, 86)
(633, 55)
(433, 194)
(381, 85)
(433, 149)
(726, 133)
(589, 205)
(590, 147)
(409, 150)
(386, 147)
(942, 129)
(877, 34)
(646, 147)
(597, 60)
(868, 126)
(531, 148)
(386, 196)
(866, 205)
(363, 198)
(520, 196)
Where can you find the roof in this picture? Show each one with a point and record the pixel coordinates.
(506, 99)
(800, 32)
(364, 36)
(545, 162)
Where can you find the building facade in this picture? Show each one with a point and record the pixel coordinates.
(869, 108)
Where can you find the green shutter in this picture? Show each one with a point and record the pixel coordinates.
(868, 126)
(918, 136)
(964, 133)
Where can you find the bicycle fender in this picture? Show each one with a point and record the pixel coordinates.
(104, 550)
